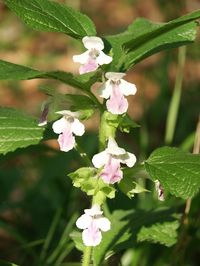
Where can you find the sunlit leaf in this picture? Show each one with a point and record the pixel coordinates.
(50, 16)
(17, 130)
(177, 171)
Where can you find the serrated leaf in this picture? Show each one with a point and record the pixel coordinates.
(144, 38)
(177, 171)
(17, 130)
(163, 233)
(50, 16)
(10, 71)
(126, 225)
(86, 178)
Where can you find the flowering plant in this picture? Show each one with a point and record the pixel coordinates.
(110, 171)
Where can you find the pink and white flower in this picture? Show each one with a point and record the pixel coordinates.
(110, 159)
(116, 88)
(92, 223)
(66, 127)
(93, 57)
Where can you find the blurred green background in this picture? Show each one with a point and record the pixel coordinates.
(34, 187)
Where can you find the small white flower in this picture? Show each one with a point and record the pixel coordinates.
(111, 158)
(116, 88)
(93, 57)
(92, 223)
(65, 127)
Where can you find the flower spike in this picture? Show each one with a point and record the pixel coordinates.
(93, 57)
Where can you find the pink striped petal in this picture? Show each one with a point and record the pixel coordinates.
(84, 221)
(66, 140)
(92, 236)
(117, 104)
(89, 66)
(111, 172)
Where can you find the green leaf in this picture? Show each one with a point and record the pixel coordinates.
(10, 71)
(83, 82)
(123, 122)
(158, 37)
(77, 239)
(127, 225)
(144, 38)
(88, 180)
(177, 171)
(82, 104)
(163, 233)
(110, 122)
(126, 123)
(17, 130)
(50, 16)
(74, 102)
(130, 187)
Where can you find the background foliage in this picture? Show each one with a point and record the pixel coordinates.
(37, 201)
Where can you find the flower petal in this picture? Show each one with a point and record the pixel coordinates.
(111, 173)
(128, 158)
(77, 127)
(59, 125)
(113, 148)
(105, 90)
(95, 210)
(68, 113)
(100, 159)
(117, 104)
(92, 236)
(66, 140)
(117, 107)
(89, 66)
(93, 43)
(127, 88)
(103, 58)
(102, 223)
(115, 76)
(84, 221)
(82, 58)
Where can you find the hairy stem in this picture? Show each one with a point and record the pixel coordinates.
(83, 155)
(87, 256)
(176, 97)
(105, 131)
